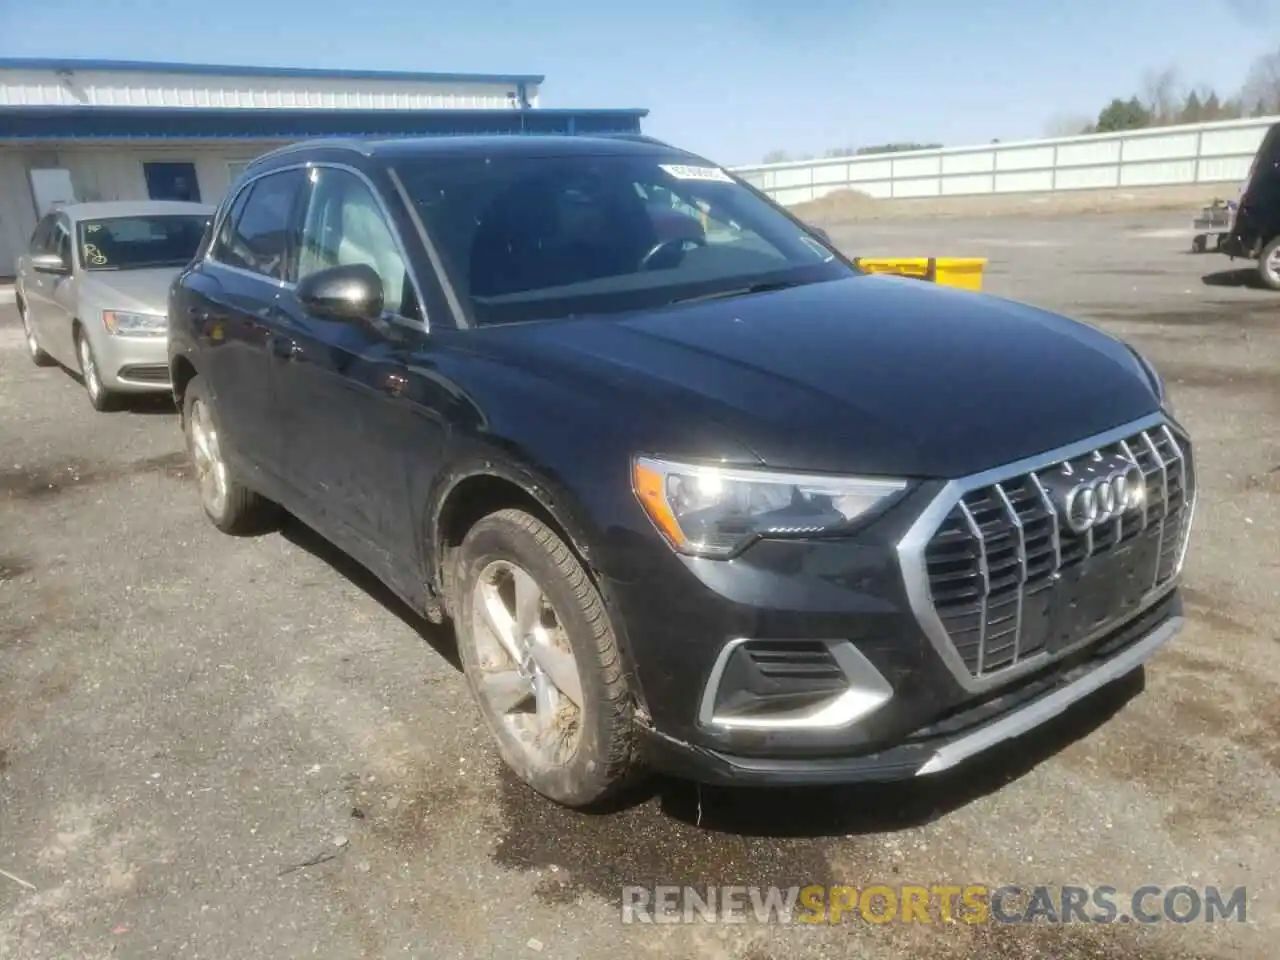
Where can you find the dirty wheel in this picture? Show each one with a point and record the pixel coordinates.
(100, 397)
(542, 661)
(1269, 264)
(37, 354)
(231, 506)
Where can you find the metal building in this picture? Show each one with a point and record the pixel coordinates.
(117, 130)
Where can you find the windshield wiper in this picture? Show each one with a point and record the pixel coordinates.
(766, 286)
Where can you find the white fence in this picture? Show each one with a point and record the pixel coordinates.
(1198, 153)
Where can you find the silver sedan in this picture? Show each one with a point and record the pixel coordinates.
(93, 291)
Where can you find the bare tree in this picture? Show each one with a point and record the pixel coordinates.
(1262, 84)
(1164, 95)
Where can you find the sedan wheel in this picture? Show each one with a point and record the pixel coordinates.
(99, 396)
(38, 356)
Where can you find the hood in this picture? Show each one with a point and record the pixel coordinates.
(873, 374)
(144, 291)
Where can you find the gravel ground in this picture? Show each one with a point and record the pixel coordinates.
(218, 747)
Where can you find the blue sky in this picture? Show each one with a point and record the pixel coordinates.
(729, 78)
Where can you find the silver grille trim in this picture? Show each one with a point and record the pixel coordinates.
(1010, 556)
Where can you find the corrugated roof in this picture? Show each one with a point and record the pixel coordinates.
(215, 69)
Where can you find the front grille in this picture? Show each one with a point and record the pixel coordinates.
(145, 373)
(1009, 580)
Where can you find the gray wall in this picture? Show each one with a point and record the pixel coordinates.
(1201, 153)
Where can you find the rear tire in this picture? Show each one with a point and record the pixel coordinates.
(34, 350)
(231, 506)
(1269, 264)
(577, 753)
(102, 399)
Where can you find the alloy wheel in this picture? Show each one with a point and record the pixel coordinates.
(528, 673)
(89, 370)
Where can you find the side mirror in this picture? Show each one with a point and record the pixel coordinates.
(351, 293)
(49, 263)
(826, 237)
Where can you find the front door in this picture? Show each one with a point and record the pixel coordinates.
(172, 181)
(235, 301)
(348, 422)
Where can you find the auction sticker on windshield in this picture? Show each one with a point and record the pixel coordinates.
(683, 172)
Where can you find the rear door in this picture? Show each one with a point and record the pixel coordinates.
(232, 299)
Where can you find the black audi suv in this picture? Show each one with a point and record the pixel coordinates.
(695, 492)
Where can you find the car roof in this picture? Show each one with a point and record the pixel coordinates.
(515, 145)
(131, 208)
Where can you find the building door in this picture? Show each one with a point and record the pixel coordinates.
(172, 181)
(51, 187)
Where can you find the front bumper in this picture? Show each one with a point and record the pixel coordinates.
(133, 364)
(948, 743)
(855, 617)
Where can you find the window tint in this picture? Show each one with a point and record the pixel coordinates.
(344, 225)
(256, 235)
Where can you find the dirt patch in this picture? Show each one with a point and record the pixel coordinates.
(599, 854)
(175, 466)
(1231, 313)
(1205, 608)
(1203, 376)
(4, 760)
(35, 484)
(12, 567)
(999, 941)
(1268, 482)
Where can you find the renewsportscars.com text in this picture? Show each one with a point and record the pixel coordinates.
(908, 903)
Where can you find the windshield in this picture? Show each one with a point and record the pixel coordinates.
(531, 238)
(132, 243)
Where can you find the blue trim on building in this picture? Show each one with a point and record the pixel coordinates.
(215, 69)
(199, 123)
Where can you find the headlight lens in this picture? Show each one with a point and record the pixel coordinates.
(712, 511)
(125, 324)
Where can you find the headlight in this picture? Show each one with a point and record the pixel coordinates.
(126, 324)
(711, 511)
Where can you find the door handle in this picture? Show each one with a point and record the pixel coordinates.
(395, 384)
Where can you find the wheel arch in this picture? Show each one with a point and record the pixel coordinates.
(468, 494)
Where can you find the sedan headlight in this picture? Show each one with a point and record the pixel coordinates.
(712, 511)
(125, 324)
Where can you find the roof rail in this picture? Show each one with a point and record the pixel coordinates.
(315, 143)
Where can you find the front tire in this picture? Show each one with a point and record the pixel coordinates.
(231, 506)
(542, 661)
(1269, 264)
(100, 397)
(34, 350)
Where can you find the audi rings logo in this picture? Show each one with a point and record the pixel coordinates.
(1097, 491)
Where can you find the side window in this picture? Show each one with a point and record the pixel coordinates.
(42, 236)
(344, 225)
(256, 235)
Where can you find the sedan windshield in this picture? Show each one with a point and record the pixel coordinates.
(133, 243)
(531, 238)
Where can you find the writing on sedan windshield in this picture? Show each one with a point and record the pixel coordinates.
(123, 243)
